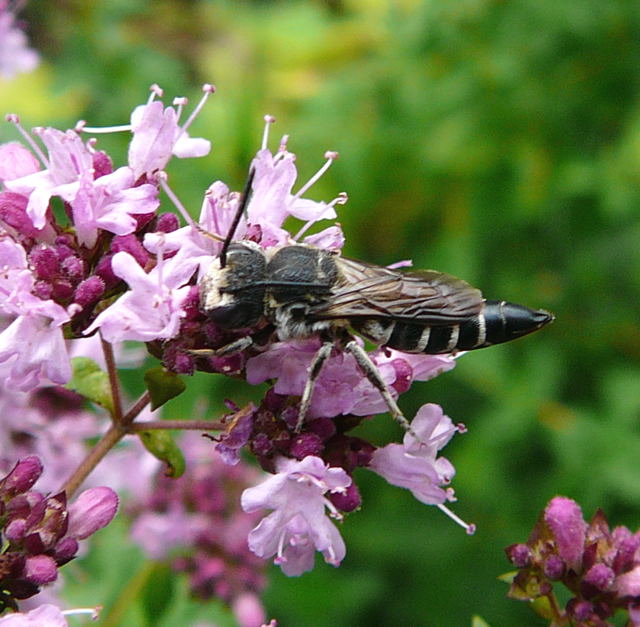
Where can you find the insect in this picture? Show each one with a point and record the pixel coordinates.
(301, 291)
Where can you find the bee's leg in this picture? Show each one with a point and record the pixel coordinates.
(370, 370)
(237, 346)
(314, 372)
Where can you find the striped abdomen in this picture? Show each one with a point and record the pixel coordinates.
(499, 321)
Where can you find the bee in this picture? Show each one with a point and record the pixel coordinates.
(301, 292)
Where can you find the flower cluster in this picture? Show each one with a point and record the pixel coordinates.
(195, 521)
(85, 250)
(40, 533)
(599, 566)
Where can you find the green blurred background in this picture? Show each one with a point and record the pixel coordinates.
(497, 141)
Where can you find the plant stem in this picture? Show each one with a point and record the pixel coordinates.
(114, 381)
(202, 425)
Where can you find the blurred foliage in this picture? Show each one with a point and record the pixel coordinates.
(498, 141)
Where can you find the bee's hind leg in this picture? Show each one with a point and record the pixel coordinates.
(314, 372)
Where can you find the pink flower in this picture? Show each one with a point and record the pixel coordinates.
(110, 203)
(15, 54)
(414, 463)
(152, 308)
(16, 161)
(69, 159)
(43, 616)
(32, 347)
(298, 526)
(157, 136)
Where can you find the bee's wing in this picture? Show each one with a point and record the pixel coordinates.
(426, 296)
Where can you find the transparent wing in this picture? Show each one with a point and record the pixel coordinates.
(425, 296)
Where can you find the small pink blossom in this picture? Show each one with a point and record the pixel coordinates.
(298, 526)
(151, 309)
(157, 136)
(15, 55)
(16, 161)
(69, 160)
(43, 616)
(110, 203)
(414, 463)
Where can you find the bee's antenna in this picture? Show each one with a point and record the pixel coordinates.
(244, 200)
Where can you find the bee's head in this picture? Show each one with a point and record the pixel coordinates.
(233, 296)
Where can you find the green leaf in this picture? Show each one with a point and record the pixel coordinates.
(162, 446)
(162, 385)
(92, 382)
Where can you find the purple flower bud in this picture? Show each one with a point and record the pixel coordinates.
(13, 213)
(89, 291)
(599, 578)
(519, 555)
(564, 518)
(347, 501)
(628, 584)
(248, 610)
(167, 222)
(183, 363)
(580, 610)
(62, 290)
(65, 550)
(102, 164)
(132, 245)
(105, 272)
(306, 444)
(554, 568)
(65, 247)
(15, 530)
(628, 545)
(42, 290)
(45, 262)
(324, 428)
(191, 305)
(73, 267)
(23, 475)
(404, 375)
(92, 510)
(261, 445)
(40, 569)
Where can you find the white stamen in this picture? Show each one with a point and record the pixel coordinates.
(469, 528)
(268, 119)
(283, 143)
(340, 199)
(14, 118)
(330, 156)
(208, 90)
(80, 127)
(93, 611)
(155, 90)
(162, 179)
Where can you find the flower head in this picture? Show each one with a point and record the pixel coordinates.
(298, 526)
(599, 566)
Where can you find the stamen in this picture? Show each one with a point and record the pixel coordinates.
(330, 156)
(283, 143)
(155, 90)
(81, 127)
(208, 90)
(14, 118)
(269, 119)
(162, 179)
(469, 528)
(181, 102)
(94, 612)
(340, 199)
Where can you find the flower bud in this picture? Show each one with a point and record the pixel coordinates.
(23, 475)
(40, 569)
(92, 510)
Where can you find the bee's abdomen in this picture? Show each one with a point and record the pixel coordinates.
(498, 322)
